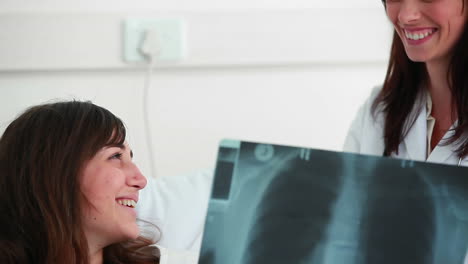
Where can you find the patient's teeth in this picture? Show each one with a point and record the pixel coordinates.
(129, 203)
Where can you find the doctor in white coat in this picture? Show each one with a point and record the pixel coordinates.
(420, 113)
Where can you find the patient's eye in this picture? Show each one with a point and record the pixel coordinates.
(117, 155)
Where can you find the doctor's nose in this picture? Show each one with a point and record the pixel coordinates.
(409, 12)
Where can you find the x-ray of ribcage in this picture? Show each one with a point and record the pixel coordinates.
(277, 204)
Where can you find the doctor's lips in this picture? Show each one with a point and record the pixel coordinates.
(418, 35)
(129, 201)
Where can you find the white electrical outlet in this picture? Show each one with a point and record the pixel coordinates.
(171, 33)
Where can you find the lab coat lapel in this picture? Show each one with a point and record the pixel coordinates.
(416, 140)
(442, 153)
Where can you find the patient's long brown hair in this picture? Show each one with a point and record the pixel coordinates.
(42, 153)
(402, 85)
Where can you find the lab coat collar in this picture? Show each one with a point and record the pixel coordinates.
(444, 153)
(415, 141)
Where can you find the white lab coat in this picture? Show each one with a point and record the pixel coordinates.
(365, 136)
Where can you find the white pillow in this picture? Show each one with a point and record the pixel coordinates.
(177, 205)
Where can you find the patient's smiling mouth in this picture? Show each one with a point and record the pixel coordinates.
(127, 202)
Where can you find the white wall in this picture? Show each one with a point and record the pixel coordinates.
(237, 81)
(138, 5)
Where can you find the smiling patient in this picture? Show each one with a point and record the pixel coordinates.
(68, 188)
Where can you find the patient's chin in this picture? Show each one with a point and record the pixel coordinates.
(124, 233)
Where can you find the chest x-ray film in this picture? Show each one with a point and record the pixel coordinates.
(279, 204)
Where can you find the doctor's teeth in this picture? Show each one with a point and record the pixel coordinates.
(418, 36)
(129, 203)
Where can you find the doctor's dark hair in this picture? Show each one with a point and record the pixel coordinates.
(42, 154)
(403, 84)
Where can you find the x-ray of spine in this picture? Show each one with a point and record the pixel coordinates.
(277, 204)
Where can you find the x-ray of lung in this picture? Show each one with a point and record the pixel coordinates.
(280, 204)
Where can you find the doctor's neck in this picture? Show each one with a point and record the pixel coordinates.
(438, 83)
